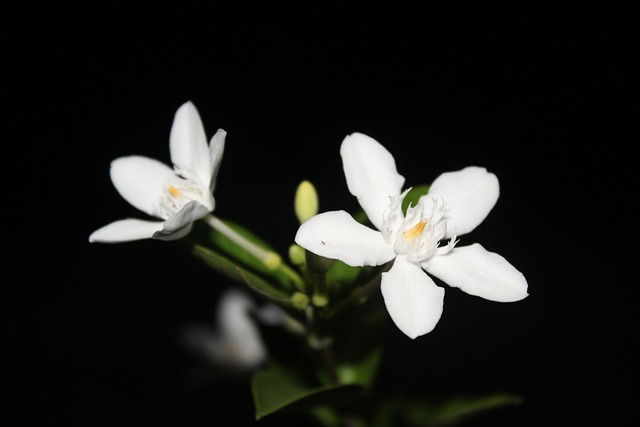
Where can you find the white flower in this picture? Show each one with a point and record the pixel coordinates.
(456, 203)
(236, 343)
(177, 196)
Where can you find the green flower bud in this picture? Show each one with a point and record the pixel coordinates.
(320, 299)
(306, 201)
(296, 254)
(299, 300)
(272, 260)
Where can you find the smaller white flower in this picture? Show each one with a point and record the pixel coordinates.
(236, 343)
(457, 202)
(177, 196)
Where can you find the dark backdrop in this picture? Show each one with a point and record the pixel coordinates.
(545, 107)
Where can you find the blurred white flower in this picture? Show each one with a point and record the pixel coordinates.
(235, 342)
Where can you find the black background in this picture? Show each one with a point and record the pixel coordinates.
(545, 105)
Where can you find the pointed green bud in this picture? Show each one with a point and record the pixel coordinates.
(296, 254)
(306, 201)
(299, 301)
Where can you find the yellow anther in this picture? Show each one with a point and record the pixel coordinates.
(415, 231)
(175, 192)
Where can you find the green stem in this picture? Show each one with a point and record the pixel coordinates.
(321, 343)
(295, 277)
(330, 363)
(269, 258)
(320, 297)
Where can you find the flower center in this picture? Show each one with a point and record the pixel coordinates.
(174, 192)
(418, 233)
(178, 193)
(415, 231)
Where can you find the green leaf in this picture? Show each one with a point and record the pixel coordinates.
(237, 273)
(362, 370)
(276, 389)
(413, 196)
(423, 412)
(460, 408)
(359, 341)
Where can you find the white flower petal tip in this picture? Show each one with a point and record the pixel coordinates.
(337, 235)
(188, 144)
(479, 272)
(469, 195)
(125, 230)
(216, 151)
(413, 300)
(371, 174)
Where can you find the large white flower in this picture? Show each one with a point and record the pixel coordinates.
(177, 196)
(456, 203)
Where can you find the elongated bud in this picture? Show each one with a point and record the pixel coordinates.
(306, 201)
(270, 259)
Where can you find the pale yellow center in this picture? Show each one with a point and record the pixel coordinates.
(175, 192)
(415, 231)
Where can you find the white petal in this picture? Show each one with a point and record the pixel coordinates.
(479, 272)
(240, 334)
(173, 235)
(236, 343)
(180, 223)
(371, 174)
(140, 181)
(469, 194)
(337, 235)
(412, 298)
(188, 145)
(125, 230)
(216, 149)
